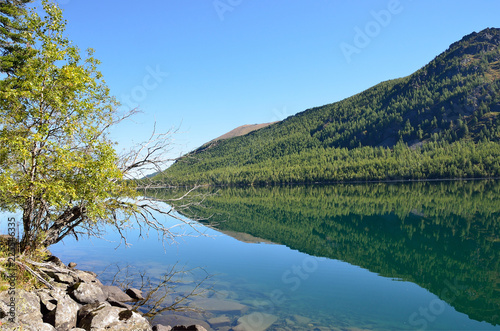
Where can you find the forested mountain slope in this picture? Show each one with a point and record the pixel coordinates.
(440, 122)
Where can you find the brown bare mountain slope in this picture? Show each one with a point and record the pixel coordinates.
(242, 130)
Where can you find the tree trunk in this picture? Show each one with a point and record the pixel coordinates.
(69, 220)
(27, 240)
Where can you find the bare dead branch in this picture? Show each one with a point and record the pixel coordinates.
(36, 275)
(157, 293)
(148, 156)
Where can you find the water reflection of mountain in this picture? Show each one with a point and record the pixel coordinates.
(442, 236)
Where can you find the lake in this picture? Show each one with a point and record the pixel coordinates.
(406, 256)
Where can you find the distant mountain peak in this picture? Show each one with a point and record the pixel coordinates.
(242, 130)
(475, 43)
(237, 132)
(487, 36)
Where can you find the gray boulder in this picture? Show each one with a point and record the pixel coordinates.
(43, 327)
(35, 326)
(159, 327)
(218, 305)
(5, 310)
(27, 306)
(27, 312)
(220, 321)
(116, 293)
(64, 316)
(86, 276)
(114, 318)
(87, 293)
(48, 302)
(84, 311)
(64, 278)
(255, 321)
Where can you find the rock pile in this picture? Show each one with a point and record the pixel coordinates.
(77, 301)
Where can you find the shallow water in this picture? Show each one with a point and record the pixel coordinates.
(344, 257)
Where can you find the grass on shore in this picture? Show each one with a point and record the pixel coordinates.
(23, 279)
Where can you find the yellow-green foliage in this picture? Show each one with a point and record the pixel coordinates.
(55, 111)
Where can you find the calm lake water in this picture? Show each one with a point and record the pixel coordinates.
(418, 256)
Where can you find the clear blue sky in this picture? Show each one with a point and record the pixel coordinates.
(209, 66)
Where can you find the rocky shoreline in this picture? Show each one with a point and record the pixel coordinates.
(77, 301)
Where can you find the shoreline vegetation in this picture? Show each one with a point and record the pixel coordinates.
(461, 160)
(319, 183)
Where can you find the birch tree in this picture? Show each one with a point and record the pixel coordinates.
(57, 163)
